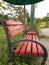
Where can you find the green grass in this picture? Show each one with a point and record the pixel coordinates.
(19, 60)
(39, 26)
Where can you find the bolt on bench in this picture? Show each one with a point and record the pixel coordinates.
(30, 44)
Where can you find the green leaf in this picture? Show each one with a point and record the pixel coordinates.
(4, 7)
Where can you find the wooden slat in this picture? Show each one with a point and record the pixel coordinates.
(17, 50)
(34, 48)
(10, 28)
(36, 38)
(12, 23)
(12, 34)
(33, 37)
(28, 49)
(31, 32)
(22, 51)
(26, 37)
(40, 51)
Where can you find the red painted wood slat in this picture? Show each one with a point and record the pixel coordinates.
(12, 34)
(28, 49)
(7, 22)
(10, 28)
(34, 48)
(33, 37)
(40, 50)
(23, 49)
(17, 50)
(36, 38)
(31, 32)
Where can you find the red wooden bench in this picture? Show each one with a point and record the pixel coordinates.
(28, 46)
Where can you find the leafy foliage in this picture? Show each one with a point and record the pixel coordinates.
(3, 17)
(2, 5)
(40, 23)
(16, 12)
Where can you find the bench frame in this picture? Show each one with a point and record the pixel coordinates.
(11, 45)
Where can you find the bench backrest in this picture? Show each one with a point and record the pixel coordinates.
(12, 28)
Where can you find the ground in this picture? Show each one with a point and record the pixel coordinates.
(45, 42)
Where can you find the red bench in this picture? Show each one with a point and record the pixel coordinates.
(28, 46)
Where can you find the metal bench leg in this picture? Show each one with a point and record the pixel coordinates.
(10, 53)
(10, 56)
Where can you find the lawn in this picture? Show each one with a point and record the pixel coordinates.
(19, 60)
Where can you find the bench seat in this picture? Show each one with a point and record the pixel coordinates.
(29, 48)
